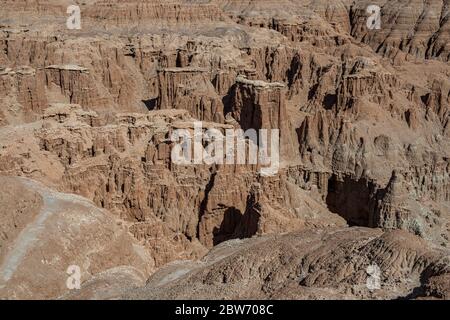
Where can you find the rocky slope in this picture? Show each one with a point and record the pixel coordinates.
(364, 119)
(331, 264)
(45, 232)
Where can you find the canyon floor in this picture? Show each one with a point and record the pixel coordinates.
(93, 205)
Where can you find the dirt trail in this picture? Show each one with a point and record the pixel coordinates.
(29, 236)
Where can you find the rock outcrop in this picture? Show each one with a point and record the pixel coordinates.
(363, 117)
(327, 265)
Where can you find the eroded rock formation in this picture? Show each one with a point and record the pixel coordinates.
(307, 265)
(364, 121)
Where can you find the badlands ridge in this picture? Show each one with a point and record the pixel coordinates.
(87, 180)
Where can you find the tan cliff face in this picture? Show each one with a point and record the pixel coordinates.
(363, 116)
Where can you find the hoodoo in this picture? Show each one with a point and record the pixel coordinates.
(117, 180)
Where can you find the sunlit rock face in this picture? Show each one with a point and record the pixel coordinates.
(88, 179)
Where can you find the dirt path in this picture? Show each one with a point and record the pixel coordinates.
(29, 236)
